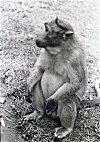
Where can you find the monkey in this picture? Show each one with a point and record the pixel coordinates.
(59, 78)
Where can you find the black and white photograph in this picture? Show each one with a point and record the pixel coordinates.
(49, 71)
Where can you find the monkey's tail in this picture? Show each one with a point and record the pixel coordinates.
(97, 87)
(90, 103)
(95, 101)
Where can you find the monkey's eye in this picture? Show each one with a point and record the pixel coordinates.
(60, 32)
(46, 29)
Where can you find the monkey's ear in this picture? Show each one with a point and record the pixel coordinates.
(56, 20)
(67, 33)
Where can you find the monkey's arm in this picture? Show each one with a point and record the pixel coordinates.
(76, 75)
(75, 80)
(65, 90)
(37, 72)
(35, 76)
(61, 94)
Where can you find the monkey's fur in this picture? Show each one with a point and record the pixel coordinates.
(58, 80)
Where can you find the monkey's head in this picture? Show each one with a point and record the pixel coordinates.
(55, 33)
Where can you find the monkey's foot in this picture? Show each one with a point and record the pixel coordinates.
(33, 116)
(61, 132)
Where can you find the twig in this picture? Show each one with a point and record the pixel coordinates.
(93, 131)
(6, 111)
(84, 137)
(27, 128)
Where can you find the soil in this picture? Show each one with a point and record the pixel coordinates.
(20, 22)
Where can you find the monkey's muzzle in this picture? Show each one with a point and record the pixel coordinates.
(41, 41)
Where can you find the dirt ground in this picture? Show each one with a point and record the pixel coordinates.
(20, 21)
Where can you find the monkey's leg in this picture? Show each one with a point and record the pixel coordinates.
(38, 103)
(67, 112)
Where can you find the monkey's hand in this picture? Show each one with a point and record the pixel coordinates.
(51, 105)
